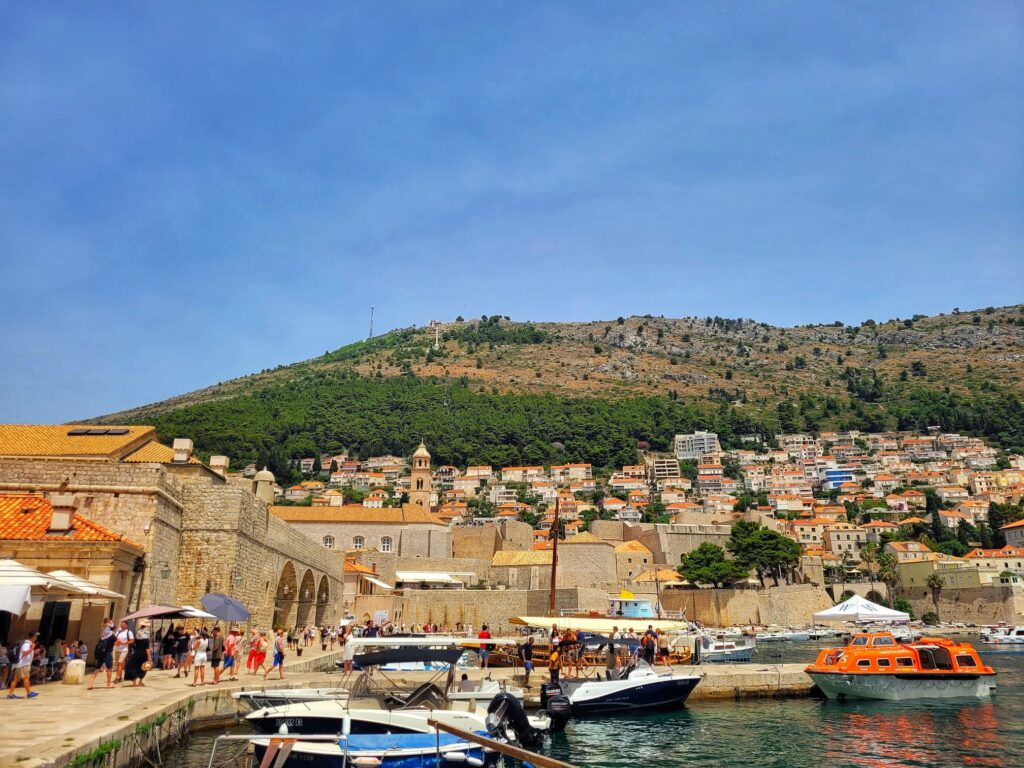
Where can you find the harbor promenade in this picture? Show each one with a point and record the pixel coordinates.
(70, 726)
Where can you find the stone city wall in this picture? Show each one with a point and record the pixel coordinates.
(977, 605)
(791, 605)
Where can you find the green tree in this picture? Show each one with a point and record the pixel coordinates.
(766, 551)
(707, 564)
(869, 558)
(935, 583)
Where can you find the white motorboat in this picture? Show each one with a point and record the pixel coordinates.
(783, 635)
(636, 687)
(723, 650)
(276, 697)
(1005, 637)
(483, 691)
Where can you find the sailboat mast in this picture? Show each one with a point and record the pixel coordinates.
(554, 560)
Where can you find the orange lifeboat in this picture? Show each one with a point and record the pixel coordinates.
(875, 666)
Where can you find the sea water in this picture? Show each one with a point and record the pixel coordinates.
(797, 733)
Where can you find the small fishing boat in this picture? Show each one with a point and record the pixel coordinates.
(876, 666)
(723, 650)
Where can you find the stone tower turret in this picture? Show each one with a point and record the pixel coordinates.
(263, 485)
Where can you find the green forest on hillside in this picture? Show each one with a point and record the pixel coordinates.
(341, 410)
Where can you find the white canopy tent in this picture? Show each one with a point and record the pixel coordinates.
(859, 609)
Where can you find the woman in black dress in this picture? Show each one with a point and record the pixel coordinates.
(137, 656)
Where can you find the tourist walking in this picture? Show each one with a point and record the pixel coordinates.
(216, 654)
(231, 654)
(262, 646)
(333, 636)
(123, 640)
(140, 658)
(254, 651)
(104, 653)
(21, 669)
(279, 655)
(200, 649)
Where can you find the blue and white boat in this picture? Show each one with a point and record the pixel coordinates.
(425, 749)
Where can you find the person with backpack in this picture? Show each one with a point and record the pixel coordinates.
(104, 653)
(22, 668)
(279, 654)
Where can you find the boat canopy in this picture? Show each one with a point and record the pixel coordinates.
(859, 609)
(597, 625)
(407, 655)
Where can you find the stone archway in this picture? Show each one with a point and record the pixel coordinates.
(874, 596)
(307, 594)
(323, 597)
(284, 600)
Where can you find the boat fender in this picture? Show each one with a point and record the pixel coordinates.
(455, 757)
(505, 712)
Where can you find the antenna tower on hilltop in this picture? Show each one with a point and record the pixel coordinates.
(371, 323)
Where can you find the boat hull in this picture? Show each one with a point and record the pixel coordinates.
(321, 719)
(897, 687)
(732, 655)
(403, 751)
(604, 699)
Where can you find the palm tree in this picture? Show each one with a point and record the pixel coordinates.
(935, 583)
(869, 557)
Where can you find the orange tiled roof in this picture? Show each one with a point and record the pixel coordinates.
(155, 453)
(87, 441)
(27, 518)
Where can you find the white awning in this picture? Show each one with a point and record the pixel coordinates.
(376, 582)
(85, 585)
(434, 577)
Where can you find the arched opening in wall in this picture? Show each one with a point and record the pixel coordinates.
(875, 596)
(284, 600)
(307, 594)
(323, 597)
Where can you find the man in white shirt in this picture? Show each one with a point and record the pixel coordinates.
(22, 668)
(123, 640)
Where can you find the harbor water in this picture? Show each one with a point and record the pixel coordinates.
(789, 733)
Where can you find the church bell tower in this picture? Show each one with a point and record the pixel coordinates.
(419, 487)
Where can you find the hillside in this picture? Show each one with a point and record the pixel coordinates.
(498, 391)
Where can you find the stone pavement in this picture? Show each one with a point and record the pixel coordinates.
(68, 719)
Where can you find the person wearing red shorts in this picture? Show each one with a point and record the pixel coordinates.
(254, 651)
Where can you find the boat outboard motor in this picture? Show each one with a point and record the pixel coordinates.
(505, 713)
(548, 691)
(559, 710)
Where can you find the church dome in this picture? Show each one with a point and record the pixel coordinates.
(422, 452)
(264, 475)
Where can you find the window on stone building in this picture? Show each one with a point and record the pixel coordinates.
(385, 544)
(329, 542)
(358, 542)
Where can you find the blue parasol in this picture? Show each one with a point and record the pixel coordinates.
(224, 607)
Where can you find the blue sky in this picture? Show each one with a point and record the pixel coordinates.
(195, 191)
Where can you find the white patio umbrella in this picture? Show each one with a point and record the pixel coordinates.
(859, 609)
(19, 582)
(85, 585)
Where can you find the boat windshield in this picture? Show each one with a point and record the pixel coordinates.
(883, 640)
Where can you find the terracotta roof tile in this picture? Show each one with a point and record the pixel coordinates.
(27, 518)
(56, 440)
